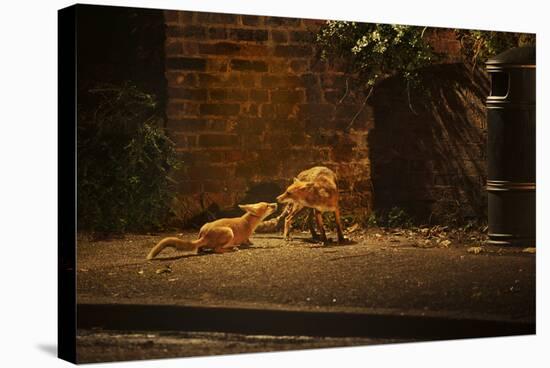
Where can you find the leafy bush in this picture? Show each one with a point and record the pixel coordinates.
(376, 50)
(124, 160)
(396, 217)
(478, 46)
(373, 51)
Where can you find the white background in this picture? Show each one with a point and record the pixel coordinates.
(28, 181)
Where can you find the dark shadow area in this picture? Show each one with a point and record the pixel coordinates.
(263, 192)
(117, 44)
(285, 322)
(430, 159)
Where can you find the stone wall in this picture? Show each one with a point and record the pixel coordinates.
(250, 105)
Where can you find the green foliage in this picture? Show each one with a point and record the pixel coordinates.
(374, 50)
(478, 46)
(124, 161)
(395, 218)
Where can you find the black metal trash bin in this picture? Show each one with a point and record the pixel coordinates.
(511, 147)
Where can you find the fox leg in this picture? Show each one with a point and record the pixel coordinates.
(310, 224)
(288, 220)
(220, 239)
(319, 218)
(339, 227)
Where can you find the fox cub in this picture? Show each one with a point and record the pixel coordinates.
(223, 234)
(314, 188)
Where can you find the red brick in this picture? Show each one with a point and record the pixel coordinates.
(187, 93)
(298, 66)
(218, 80)
(279, 66)
(184, 63)
(178, 109)
(313, 95)
(293, 50)
(251, 125)
(187, 125)
(248, 80)
(173, 48)
(189, 186)
(184, 141)
(251, 20)
(310, 80)
(287, 96)
(283, 22)
(217, 33)
(189, 31)
(197, 125)
(181, 79)
(273, 81)
(186, 17)
(273, 111)
(255, 50)
(259, 95)
(313, 24)
(289, 124)
(316, 110)
(218, 140)
(208, 172)
(301, 36)
(220, 94)
(217, 65)
(251, 110)
(190, 48)
(257, 35)
(219, 109)
(219, 48)
(217, 18)
(333, 81)
(248, 65)
(279, 36)
(171, 16)
(214, 186)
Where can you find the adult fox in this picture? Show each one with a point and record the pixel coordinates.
(314, 188)
(223, 234)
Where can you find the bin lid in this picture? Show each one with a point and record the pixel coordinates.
(517, 56)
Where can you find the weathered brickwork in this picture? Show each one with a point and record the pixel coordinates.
(250, 105)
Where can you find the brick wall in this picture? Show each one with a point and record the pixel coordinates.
(250, 105)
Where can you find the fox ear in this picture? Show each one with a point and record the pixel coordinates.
(296, 180)
(244, 207)
(248, 208)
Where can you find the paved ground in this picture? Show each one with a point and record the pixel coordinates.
(378, 272)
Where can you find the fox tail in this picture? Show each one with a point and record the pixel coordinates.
(179, 244)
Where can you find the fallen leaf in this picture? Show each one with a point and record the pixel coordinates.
(353, 228)
(165, 269)
(446, 243)
(475, 250)
(531, 250)
(173, 279)
(140, 272)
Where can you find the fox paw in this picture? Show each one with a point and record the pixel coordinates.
(343, 240)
